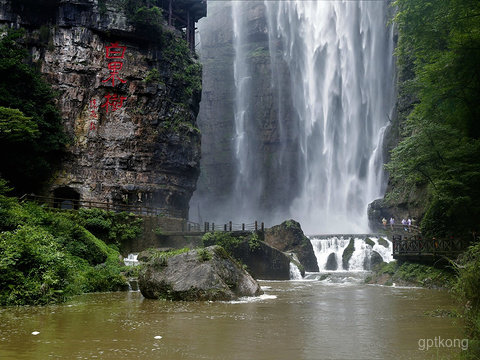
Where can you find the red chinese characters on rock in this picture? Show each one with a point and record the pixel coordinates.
(113, 102)
(93, 108)
(114, 52)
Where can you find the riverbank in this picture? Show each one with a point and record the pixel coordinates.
(412, 274)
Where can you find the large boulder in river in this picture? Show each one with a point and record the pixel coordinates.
(202, 274)
(332, 263)
(289, 237)
(262, 260)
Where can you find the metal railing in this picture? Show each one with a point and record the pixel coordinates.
(420, 247)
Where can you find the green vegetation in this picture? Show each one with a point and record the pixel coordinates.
(31, 132)
(153, 76)
(109, 226)
(186, 72)
(204, 254)
(229, 242)
(468, 289)
(223, 239)
(253, 242)
(415, 274)
(439, 47)
(48, 256)
(145, 15)
(159, 258)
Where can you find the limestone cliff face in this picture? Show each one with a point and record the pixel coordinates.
(129, 100)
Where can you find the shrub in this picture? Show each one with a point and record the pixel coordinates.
(47, 257)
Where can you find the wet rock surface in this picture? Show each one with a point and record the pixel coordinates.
(202, 274)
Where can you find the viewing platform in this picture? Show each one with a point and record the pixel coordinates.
(183, 14)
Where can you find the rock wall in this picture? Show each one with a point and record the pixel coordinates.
(216, 187)
(128, 98)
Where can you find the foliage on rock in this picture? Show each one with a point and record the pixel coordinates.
(412, 274)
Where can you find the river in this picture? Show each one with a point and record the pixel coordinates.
(337, 318)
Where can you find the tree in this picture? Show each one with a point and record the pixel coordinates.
(441, 144)
(30, 126)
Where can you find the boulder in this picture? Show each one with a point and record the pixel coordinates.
(347, 253)
(332, 263)
(264, 262)
(289, 237)
(375, 259)
(383, 242)
(202, 274)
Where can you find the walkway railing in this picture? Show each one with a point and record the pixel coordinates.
(75, 204)
(229, 227)
(399, 228)
(416, 246)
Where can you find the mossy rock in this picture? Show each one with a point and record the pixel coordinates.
(383, 242)
(370, 242)
(347, 253)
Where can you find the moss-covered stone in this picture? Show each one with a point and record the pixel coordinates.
(347, 253)
(370, 242)
(383, 242)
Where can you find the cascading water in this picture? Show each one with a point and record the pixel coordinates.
(339, 54)
(330, 250)
(295, 273)
(242, 112)
(313, 92)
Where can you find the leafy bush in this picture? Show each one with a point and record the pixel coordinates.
(47, 256)
(33, 269)
(110, 226)
(145, 16)
(223, 239)
(468, 289)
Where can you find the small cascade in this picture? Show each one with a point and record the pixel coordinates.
(366, 252)
(295, 273)
(131, 260)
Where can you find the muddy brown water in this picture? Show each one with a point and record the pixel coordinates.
(341, 318)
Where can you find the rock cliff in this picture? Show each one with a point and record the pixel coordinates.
(128, 95)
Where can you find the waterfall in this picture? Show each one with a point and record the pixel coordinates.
(131, 260)
(339, 54)
(307, 123)
(295, 273)
(329, 252)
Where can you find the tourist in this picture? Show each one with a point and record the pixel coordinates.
(409, 223)
(392, 222)
(384, 222)
(404, 223)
